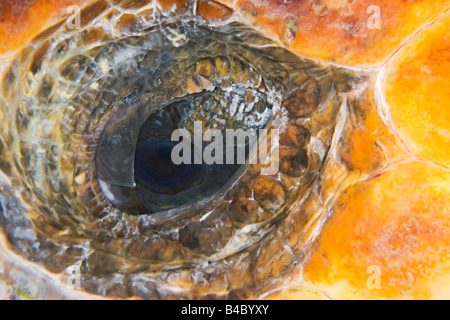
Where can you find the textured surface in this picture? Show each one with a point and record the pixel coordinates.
(416, 89)
(398, 222)
(339, 30)
(364, 150)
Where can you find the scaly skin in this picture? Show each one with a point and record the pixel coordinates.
(388, 180)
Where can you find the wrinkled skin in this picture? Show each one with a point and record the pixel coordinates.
(375, 202)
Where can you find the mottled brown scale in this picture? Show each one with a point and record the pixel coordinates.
(93, 11)
(269, 193)
(101, 263)
(293, 161)
(212, 10)
(223, 66)
(97, 34)
(126, 21)
(295, 135)
(244, 210)
(304, 101)
(205, 68)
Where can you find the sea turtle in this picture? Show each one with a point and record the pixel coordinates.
(354, 99)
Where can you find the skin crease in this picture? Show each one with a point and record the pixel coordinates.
(396, 216)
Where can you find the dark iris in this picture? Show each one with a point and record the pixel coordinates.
(155, 170)
(163, 185)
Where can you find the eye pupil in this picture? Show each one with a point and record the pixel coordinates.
(155, 169)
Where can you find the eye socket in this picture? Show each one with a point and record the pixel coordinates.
(160, 184)
(97, 113)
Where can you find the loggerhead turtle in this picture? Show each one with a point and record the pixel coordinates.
(91, 90)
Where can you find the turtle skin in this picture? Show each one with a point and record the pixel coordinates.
(373, 223)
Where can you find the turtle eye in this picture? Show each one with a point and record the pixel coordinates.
(205, 131)
(169, 144)
(186, 100)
